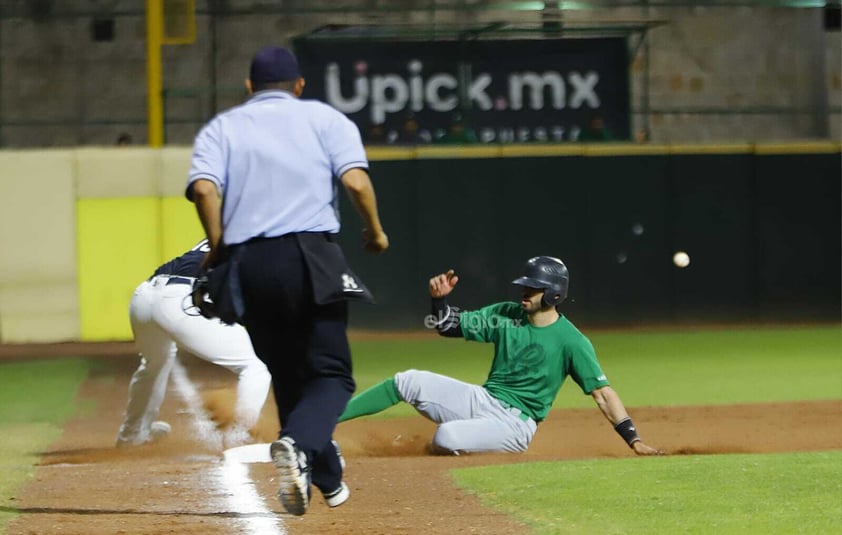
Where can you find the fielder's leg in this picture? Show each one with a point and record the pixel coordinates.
(228, 346)
(148, 385)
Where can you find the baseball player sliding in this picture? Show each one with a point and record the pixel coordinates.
(535, 349)
(165, 324)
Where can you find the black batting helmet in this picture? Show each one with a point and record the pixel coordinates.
(548, 273)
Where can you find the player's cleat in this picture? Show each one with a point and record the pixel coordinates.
(337, 497)
(433, 449)
(294, 474)
(159, 429)
(124, 442)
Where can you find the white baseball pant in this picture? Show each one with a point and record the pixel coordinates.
(165, 324)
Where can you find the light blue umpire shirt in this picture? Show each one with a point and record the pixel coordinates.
(276, 160)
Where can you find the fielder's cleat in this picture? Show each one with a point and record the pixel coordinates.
(159, 429)
(337, 497)
(294, 474)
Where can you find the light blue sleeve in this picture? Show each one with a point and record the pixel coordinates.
(343, 143)
(209, 156)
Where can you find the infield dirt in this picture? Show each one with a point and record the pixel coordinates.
(86, 486)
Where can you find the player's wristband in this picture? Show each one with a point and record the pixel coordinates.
(439, 308)
(445, 318)
(627, 430)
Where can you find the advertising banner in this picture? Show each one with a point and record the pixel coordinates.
(502, 91)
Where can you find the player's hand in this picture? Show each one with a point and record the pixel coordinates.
(441, 285)
(375, 242)
(642, 449)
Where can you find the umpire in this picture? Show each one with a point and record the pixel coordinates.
(264, 181)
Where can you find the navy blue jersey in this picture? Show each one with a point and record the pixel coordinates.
(188, 264)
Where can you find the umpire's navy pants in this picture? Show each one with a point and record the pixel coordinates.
(304, 345)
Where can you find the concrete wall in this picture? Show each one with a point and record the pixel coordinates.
(734, 73)
(735, 69)
(38, 291)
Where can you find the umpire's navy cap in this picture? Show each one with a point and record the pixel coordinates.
(273, 64)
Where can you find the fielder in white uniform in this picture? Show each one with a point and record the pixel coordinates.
(165, 324)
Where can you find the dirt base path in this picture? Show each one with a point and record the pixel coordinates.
(85, 486)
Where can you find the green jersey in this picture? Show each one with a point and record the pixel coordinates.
(531, 363)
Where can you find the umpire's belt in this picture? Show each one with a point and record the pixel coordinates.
(522, 415)
(161, 280)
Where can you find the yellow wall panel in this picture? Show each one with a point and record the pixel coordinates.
(180, 226)
(119, 245)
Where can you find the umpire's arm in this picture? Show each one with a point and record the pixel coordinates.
(205, 196)
(361, 191)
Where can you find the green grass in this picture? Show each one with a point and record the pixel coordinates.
(793, 493)
(35, 399)
(723, 366)
(704, 367)
(723, 494)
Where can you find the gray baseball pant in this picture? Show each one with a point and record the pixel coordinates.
(470, 419)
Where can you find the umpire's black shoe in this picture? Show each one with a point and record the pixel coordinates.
(294, 474)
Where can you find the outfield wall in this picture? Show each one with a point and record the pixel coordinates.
(80, 228)
(761, 224)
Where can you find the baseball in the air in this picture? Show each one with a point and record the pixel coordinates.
(681, 259)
